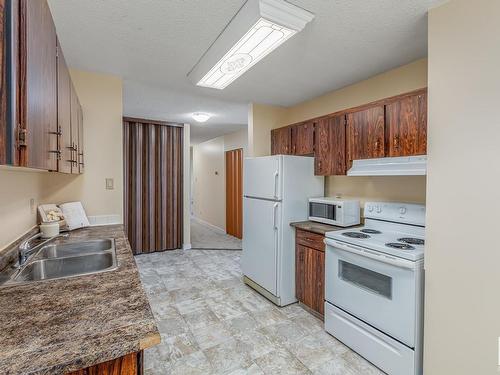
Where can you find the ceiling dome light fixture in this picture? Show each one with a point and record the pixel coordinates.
(200, 116)
(259, 27)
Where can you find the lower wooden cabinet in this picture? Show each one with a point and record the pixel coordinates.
(309, 273)
(130, 364)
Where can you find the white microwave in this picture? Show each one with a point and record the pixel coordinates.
(342, 213)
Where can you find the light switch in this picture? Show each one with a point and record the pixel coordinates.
(110, 184)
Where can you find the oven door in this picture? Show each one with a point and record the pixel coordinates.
(377, 289)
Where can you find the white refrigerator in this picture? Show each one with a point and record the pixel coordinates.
(276, 190)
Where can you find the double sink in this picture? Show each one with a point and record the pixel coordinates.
(57, 261)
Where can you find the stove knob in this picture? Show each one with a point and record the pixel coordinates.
(370, 208)
(402, 210)
(379, 209)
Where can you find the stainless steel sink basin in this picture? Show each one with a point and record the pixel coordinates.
(66, 260)
(64, 267)
(75, 248)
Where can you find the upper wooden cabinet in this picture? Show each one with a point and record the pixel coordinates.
(281, 141)
(406, 126)
(64, 113)
(330, 150)
(75, 120)
(4, 131)
(395, 126)
(303, 138)
(38, 129)
(80, 158)
(365, 134)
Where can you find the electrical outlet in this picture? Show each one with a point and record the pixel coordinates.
(110, 184)
(32, 205)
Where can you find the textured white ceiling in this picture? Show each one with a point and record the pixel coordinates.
(154, 43)
(148, 101)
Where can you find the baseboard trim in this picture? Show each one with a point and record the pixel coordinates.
(215, 227)
(186, 246)
(98, 220)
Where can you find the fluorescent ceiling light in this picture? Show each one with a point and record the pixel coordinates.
(264, 26)
(200, 116)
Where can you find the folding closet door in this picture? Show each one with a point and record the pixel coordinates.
(152, 185)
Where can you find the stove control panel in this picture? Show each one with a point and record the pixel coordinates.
(407, 213)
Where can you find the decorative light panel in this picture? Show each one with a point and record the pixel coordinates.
(269, 23)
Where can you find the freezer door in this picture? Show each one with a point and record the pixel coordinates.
(261, 241)
(262, 177)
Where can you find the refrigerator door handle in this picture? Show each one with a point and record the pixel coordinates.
(276, 174)
(275, 207)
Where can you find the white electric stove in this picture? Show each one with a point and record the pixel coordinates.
(374, 286)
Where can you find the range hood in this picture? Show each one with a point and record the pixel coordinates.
(398, 166)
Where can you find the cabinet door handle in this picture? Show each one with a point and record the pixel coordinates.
(275, 219)
(396, 141)
(276, 174)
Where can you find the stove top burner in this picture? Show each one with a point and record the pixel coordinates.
(371, 231)
(401, 246)
(355, 235)
(411, 240)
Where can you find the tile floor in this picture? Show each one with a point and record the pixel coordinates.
(204, 236)
(211, 323)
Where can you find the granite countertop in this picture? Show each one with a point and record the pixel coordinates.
(312, 226)
(53, 327)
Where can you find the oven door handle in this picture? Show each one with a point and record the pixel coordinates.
(398, 262)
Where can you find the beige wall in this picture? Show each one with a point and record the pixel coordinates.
(209, 202)
(101, 98)
(17, 187)
(462, 318)
(209, 188)
(261, 119)
(239, 139)
(397, 81)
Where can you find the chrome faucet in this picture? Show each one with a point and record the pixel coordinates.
(25, 249)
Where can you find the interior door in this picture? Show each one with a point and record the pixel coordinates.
(262, 177)
(234, 193)
(152, 185)
(261, 241)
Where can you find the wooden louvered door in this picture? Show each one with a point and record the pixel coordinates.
(153, 185)
(234, 193)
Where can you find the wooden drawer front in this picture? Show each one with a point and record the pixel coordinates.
(309, 239)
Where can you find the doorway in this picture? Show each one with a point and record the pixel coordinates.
(153, 180)
(234, 193)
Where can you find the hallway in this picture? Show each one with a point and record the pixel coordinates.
(204, 236)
